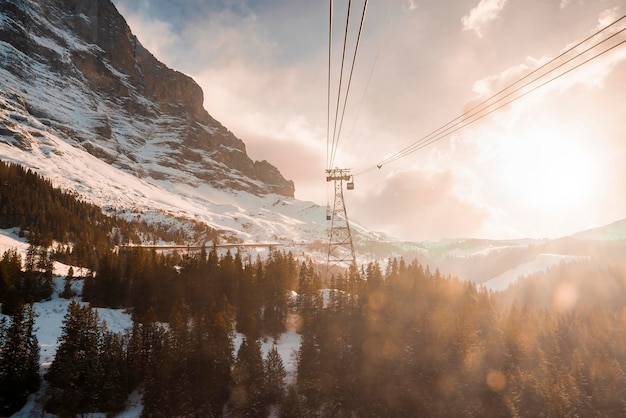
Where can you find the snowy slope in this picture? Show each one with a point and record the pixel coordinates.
(50, 313)
(49, 323)
(123, 141)
(246, 216)
(612, 232)
(75, 69)
(541, 263)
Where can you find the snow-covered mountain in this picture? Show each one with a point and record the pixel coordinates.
(85, 105)
(612, 232)
(74, 70)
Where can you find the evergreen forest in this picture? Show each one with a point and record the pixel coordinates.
(390, 338)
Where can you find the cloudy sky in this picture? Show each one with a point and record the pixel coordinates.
(546, 165)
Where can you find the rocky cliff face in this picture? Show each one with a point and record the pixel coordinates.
(75, 67)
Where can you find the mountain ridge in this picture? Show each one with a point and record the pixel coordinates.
(610, 232)
(77, 69)
(89, 114)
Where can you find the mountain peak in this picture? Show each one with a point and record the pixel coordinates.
(75, 70)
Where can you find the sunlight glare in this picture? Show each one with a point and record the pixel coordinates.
(546, 169)
(565, 297)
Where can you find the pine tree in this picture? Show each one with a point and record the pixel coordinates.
(88, 373)
(115, 379)
(10, 273)
(247, 390)
(19, 360)
(146, 357)
(274, 376)
(219, 355)
(67, 287)
(248, 308)
(31, 258)
(308, 377)
(291, 407)
(73, 372)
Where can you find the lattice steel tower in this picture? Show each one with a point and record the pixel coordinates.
(340, 248)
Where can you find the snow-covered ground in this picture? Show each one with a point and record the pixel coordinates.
(49, 323)
(612, 232)
(50, 152)
(287, 345)
(540, 263)
(10, 240)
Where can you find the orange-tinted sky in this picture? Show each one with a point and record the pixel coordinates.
(548, 165)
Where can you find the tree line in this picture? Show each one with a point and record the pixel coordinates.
(80, 231)
(409, 342)
(19, 359)
(395, 339)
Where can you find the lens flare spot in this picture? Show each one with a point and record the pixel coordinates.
(496, 380)
(293, 322)
(565, 297)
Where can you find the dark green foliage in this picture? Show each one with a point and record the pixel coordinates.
(279, 277)
(249, 304)
(274, 377)
(67, 292)
(89, 372)
(396, 341)
(291, 406)
(248, 390)
(186, 370)
(18, 287)
(417, 344)
(46, 214)
(19, 360)
(10, 275)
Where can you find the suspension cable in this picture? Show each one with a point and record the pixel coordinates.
(448, 132)
(343, 57)
(448, 128)
(330, 46)
(345, 101)
(371, 72)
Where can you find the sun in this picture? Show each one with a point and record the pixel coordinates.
(547, 168)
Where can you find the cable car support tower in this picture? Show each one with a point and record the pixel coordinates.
(340, 248)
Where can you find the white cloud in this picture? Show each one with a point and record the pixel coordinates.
(263, 73)
(481, 15)
(427, 202)
(608, 16)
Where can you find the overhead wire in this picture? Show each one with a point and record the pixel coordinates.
(330, 46)
(444, 134)
(375, 61)
(448, 129)
(471, 113)
(444, 130)
(343, 57)
(345, 101)
(330, 49)
(524, 94)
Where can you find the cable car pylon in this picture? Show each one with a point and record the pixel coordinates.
(340, 248)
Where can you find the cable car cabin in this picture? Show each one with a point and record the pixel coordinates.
(350, 185)
(328, 213)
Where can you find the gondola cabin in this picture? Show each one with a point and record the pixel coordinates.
(350, 184)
